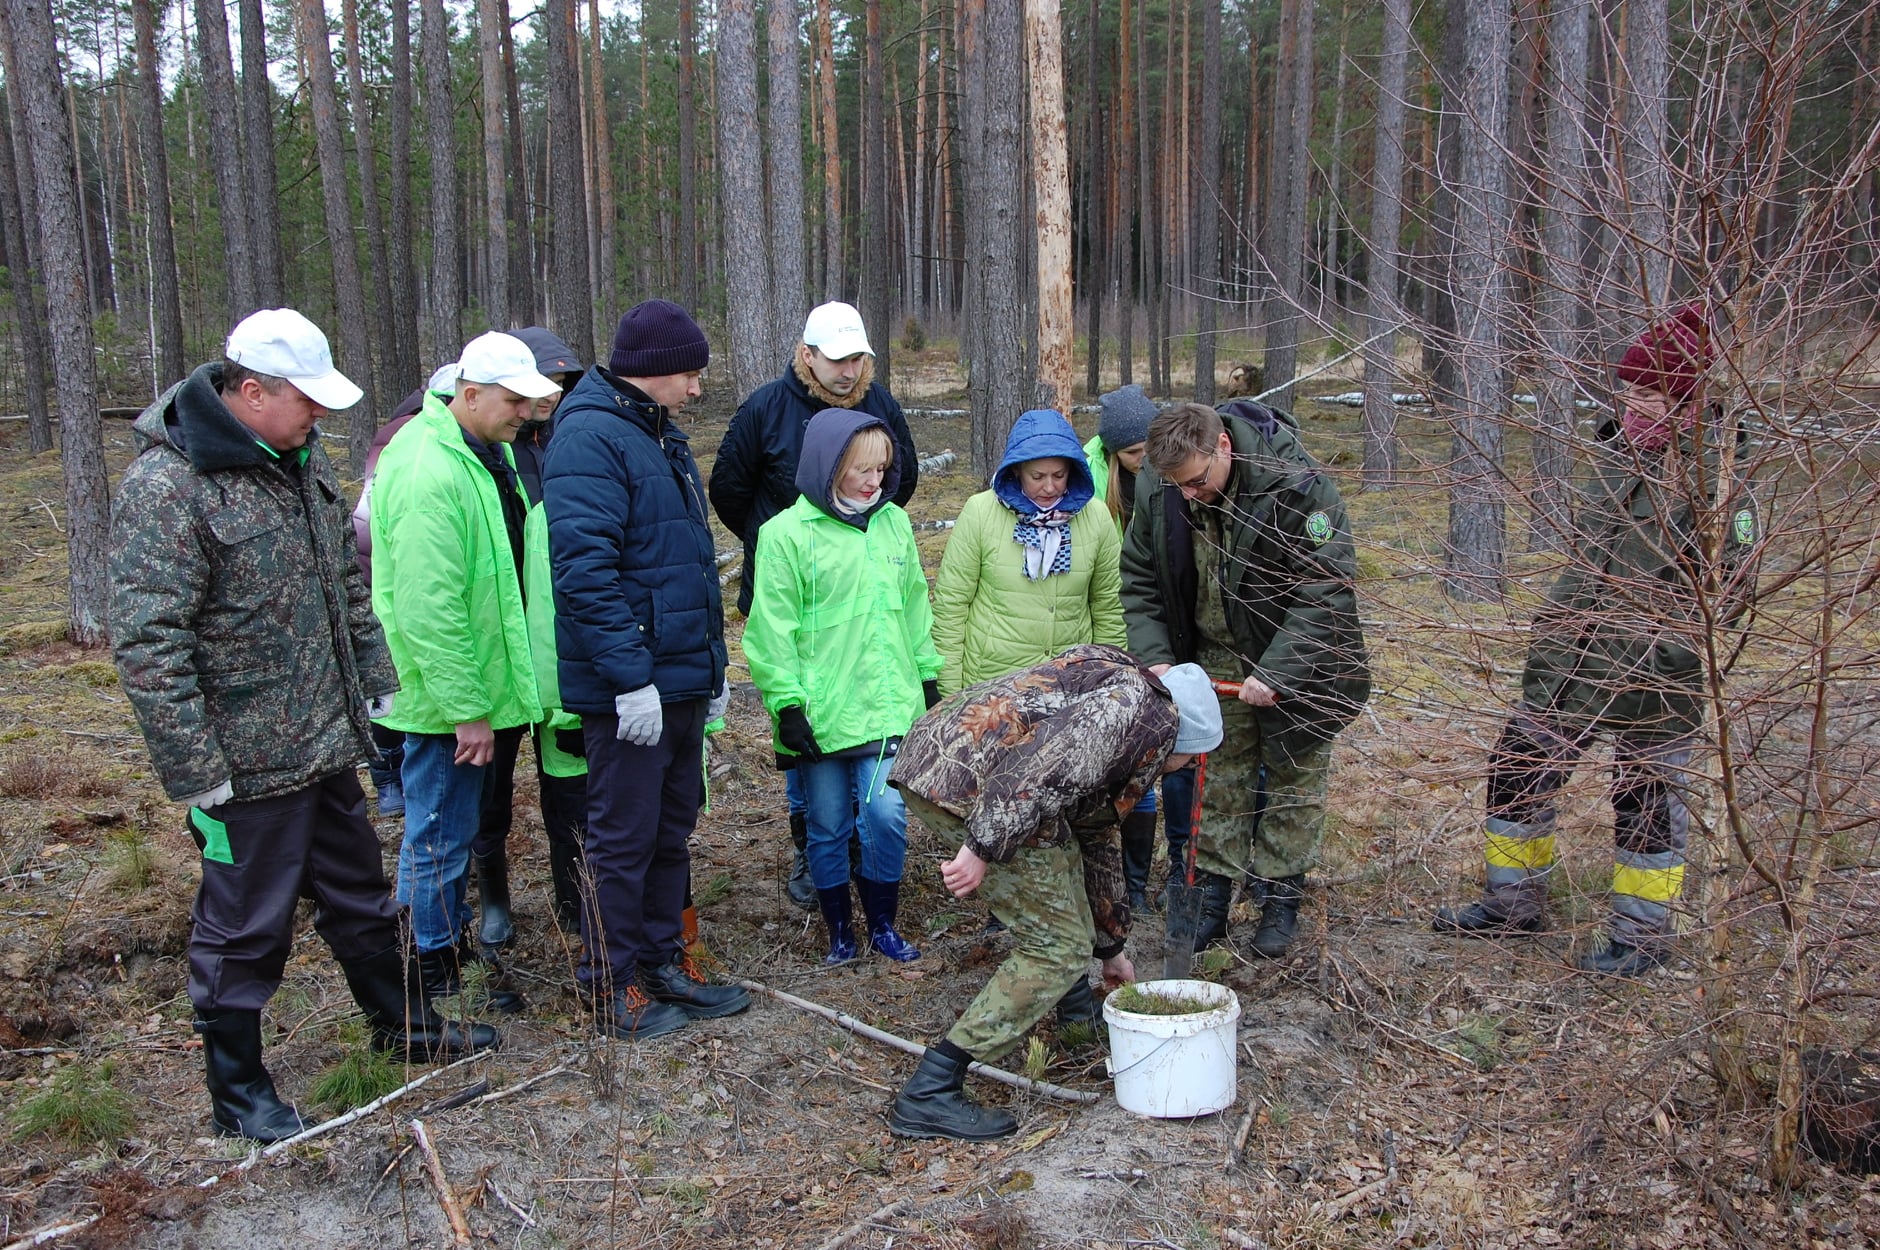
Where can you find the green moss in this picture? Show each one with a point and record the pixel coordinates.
(1132, 999)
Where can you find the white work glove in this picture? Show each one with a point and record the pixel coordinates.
(716, 705)
(641, 720)
(211, 798)
(379, 706)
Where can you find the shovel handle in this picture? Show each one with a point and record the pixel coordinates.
(1231, 689)
(1194, 816)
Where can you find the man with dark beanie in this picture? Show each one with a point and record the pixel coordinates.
(640, 628)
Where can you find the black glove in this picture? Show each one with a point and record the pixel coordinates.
(793, 732)
(571, 742)
(930, 690)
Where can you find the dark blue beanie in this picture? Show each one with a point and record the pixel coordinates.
(1126, 416)
(657, 338)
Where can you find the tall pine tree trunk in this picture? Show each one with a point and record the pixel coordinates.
(1380, 372)
(446, 298)
(81, 445)
(1292, 172)
(166, 307)
(788, 269)
(18, 221)
(1125, 175)
(741, 183)
(1477, 546)
(495, 164)
(1646, 63)
(1096, 202)
(1051, 191)
(1559, 297)
(606, 211)
(877, 251)
(384, 341)
(688, 160)
(523, 306)
(225, 154)
(831, 154)
(571, 299)
(264, 205)
(349, 293)
(1208, 202)
(403, 279)
(998, 194)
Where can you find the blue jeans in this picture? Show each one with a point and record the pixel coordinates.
(852, 796)
(443, 805)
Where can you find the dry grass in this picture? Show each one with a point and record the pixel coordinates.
(36, 775)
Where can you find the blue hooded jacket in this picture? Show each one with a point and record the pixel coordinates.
(1036, 434)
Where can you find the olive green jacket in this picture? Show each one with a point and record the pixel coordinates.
(1292, 605)
(1620, 639)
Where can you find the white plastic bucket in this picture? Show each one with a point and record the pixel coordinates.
(1172, 1067)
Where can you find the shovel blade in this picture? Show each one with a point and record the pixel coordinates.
(1183, 927)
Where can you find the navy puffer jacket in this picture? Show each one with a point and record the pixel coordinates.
(636, 587)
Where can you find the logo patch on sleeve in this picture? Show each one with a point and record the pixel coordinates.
(1318, 527)
(1745, 525)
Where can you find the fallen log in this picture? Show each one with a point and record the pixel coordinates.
(873, 1034)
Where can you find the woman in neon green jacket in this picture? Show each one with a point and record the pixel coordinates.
(840, 644)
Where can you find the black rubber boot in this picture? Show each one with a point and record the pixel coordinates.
(497, 929)
(881, 905)
(390, 990)
(933, 1103)
(800, 888)
(241, 1093)
(1079, 1005)
(1480, 920)
(1216, 901)
(1279, 915)
(564, 873)
(677, 981)
(1623, 959)
(839, 919)
(1138, 855)
(438, 974)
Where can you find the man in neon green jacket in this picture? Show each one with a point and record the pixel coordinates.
(447, 534)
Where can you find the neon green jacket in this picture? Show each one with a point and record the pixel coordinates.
(444, 583)
(840, 624)
(989, 620)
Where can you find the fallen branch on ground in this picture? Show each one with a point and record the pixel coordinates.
(874, 1034)
(453, 1210)
(340, 1121)
(52, 1232)
(862, 1225)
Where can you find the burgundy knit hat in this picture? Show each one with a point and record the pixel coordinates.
(1671, 356)
(657, 338)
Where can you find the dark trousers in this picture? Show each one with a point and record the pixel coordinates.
(260, 858)
(391, 745)
(565, 820)
(499, 794)
(642, 806)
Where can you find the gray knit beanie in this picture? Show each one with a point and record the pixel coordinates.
(1126, 416)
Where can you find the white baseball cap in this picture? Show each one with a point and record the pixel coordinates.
(284, 344)
(504, 360)
(835, 330)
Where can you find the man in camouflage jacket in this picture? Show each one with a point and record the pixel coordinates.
(1031, 773)
(245, 641)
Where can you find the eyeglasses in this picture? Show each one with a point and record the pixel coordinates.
(1200, 481)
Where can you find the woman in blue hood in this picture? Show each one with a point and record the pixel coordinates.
(840, 644)
(1030, 570)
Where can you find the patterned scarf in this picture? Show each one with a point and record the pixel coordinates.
(1046, 538)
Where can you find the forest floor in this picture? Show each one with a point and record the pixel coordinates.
(1403, 1089)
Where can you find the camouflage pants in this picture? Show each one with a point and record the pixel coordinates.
(1236, 834)
(1040, 897)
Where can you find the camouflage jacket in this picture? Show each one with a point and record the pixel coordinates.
(1056, 751)
(243, 631)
